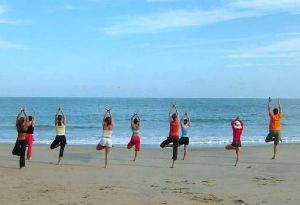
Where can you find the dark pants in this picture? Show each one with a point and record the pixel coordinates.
(273, 136)
(175, 141)
(20, 150)
(60, 140)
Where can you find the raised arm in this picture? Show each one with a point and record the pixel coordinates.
(111, 117)
(56, 115)
(188, 119)
(132, 120)
(170, 112)
(64, 116)
(19, 115)
(279, 106)
(25, 117)
(270, 105)
(33, 118)
(176, 112)
(107, 114)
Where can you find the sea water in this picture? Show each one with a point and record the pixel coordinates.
(210, 118)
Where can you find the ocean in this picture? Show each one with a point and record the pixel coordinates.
(210, 119)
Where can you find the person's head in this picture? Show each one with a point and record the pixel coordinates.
(59, 118)
(275, 111)
(107, 121)
(237, 125)
(21, 120)
(185, 121)
(174, 117)
(29, 118)
(135, 121)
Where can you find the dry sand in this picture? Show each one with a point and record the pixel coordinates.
(206, 177)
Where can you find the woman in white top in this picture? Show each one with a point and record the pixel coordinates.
(106, 140)
(60, 139)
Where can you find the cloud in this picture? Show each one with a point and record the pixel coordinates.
(3, 9)
(3, 20)
(178, 19)
(172, 20)
(268, 5)
(10, 45)
(287, 48)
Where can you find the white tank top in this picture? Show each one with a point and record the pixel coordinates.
(107, 133)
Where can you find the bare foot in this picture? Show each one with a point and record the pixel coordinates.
(59, 161)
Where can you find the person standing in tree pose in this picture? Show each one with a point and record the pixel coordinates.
(135, 139)
(184, 139)
(275, 125)
(237, 128)
(60, 122)
(174, 132)
(106, 140)
(29, 135)
(20, 146)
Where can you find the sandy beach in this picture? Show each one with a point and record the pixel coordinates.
(206, 177)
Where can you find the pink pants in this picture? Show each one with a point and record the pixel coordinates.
(29, 139)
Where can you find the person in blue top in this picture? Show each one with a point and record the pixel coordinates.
(184, 139)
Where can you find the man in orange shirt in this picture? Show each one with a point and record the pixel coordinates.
(275, 125)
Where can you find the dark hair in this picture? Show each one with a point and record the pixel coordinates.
(30, 118)
(275, 111)
(20, 124)
(185, 121)
(135, 121)
(174, 117)
(107, 120)
(59, 119)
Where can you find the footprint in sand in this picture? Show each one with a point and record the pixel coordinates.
(201, 197)
(268, 181)
(180, 190)
(106, 188)
(240, 201)
(209, 183)
(187, 182)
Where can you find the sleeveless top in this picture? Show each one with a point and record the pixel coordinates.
(30, 130)
(174, 129)
(60, 130)
(135, 131)
(107, 134)
(184, 131)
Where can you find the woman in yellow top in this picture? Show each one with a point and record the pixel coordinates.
(60, 139)
(20, 146)
(275, 125)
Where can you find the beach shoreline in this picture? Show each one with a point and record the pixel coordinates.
(206, 177)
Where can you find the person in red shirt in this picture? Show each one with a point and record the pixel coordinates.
(275, 125)
(135, 138)
(174, 132)
(237, 128)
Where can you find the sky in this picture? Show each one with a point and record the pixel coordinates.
(150, 48)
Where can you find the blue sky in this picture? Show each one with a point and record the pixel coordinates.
(150, 48)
